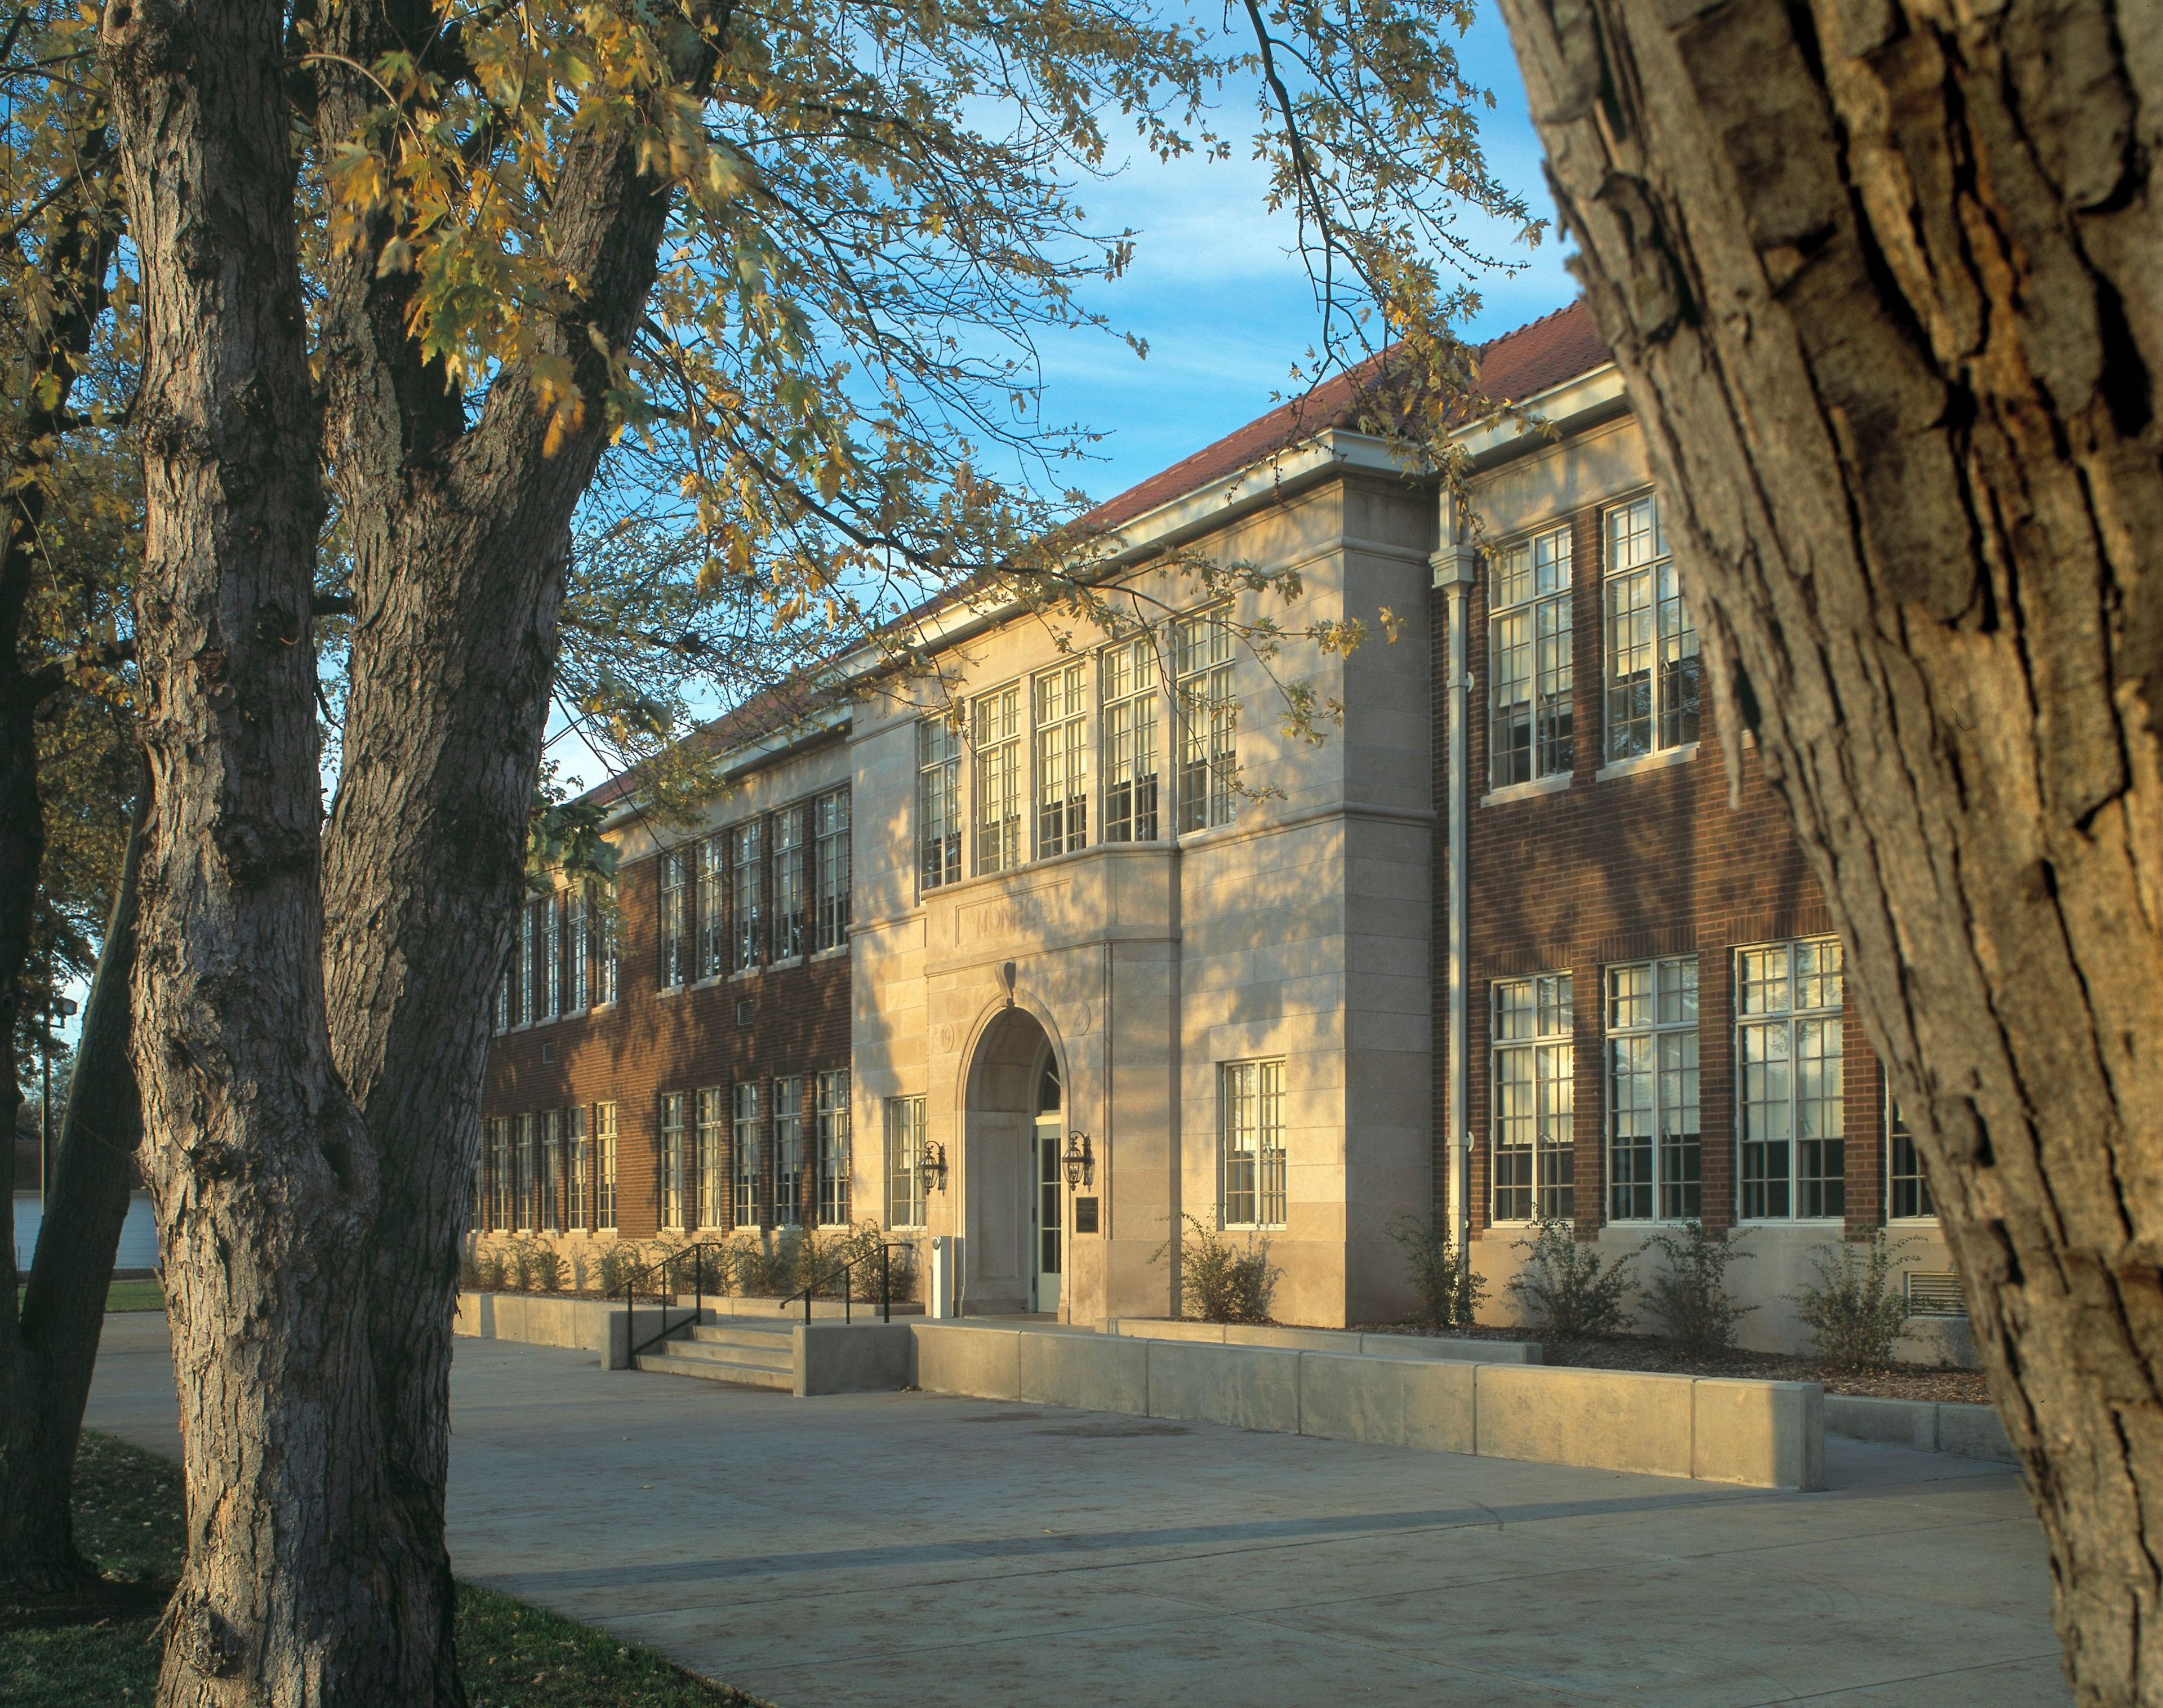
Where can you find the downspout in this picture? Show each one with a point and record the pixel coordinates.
(1453, 565)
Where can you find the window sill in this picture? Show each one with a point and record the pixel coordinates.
(1920, 1224)
(744, 974)
(1527, 791)
(1647, 761)
(784, 963)
(708, 981)
(606, 1007)
(1819, 1223)
(836, 953)
(670, 990)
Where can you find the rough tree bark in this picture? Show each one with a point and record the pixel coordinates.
(1882, 278)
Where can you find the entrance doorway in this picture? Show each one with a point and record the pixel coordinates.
(1013, 1192)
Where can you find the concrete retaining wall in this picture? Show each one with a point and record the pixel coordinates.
(543, 1319)
(1757, 1433)
(1973, 1431)
(850, 1358)
(1331, 1340)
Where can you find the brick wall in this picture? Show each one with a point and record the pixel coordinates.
(1652, 864)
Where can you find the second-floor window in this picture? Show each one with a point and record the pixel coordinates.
(937, 804)
(788, 884)
(1534, 1103)
(713, 930)
(1127, 673)
(1653, 1150)
(745, 897)
(577, 932)
(995, 729)
(1208, 720)
(1062, 762)
(1528, 661)
(526, 954)
(551, 956)
(675, 933)
(830, 870)
(1788, 1059)
(1651, 645)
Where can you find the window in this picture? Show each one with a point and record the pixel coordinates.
(551, 956)
(904, 1149)
(712, 1170)
(713, 955)
(1652, 1101)
(1250, 1114)
(1788, 1061)
(611, 937)
(744, 1118)
(604, 1166)
(525, 967)
(996, 729)
(1528, 661)
(1062, 760)
(670, 1171)
(499, 1172)
(746, 897)
(1208, 716)
(789, 1152)
(675, 928)
(577, 931)
(833, 1120)
(1535, 1163)
(937, 804)
(575, 1207)
(1908, 1188)
(507, 991)
(551, 1168)
(788, 884)
(1651, 646)
(1127, 673)
(477, 1198)
(522, 1159)
(830, 870)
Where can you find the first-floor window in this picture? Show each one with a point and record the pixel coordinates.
(605, 1166)
(522, 1167)
(833, 1116)
(1250, 1114)
(744, 1119)
(671, 1159)
(552, 1167)
(905, 1150)
(1788, 1058)
(580, 1149)
(476, 1205)
(713, 1174)
(1908, 1196)
(1535, 1160)
(499, 1173)
(1653, 1162)
(789, 1152)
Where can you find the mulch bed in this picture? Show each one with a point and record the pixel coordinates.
(1894, 1382)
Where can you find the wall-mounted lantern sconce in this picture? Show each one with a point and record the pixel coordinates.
(1079, 1160)
(931, 1166)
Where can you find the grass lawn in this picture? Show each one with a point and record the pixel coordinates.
(124, 1296)
(128, 1518)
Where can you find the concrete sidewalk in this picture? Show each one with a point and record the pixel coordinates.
(915, 1549)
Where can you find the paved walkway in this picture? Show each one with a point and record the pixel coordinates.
(905, 1550)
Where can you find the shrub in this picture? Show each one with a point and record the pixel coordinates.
(1851, 1311)
(488, 1269)
(545, 1268)
(861, 1244)
(469, 1272)
(1687, 1299)
(1566, 1289)
(1221, 1283)
(615, 1264)
(1449, 1292)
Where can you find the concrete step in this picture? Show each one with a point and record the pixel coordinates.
(714, 1370)
(782, 1357)
(753, 1337)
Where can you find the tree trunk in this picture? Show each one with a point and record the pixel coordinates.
(46, 1360)
(1882, 279)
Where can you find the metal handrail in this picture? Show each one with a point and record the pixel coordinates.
(844, 1269)
(663, 1293)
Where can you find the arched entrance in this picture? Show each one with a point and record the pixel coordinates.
(1012, 1195)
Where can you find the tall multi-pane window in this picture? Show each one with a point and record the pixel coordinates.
(905, 1150)
(675, 931)
(521, 1161)
(578, 934)
(551, 1168)
(1062, 759)
(1651, 645)
(499, 1173)
(743, 1114)
(552, 956)
(1535, 1162)
(747, 898)
(713, 861)
(610, 933)
(1653, 1154)
(789, 1152)
(604, 1166)
(995, 728)
(1788, 1071)
(1251, 1122)
(830, 870)
(1208, 720)
(833, 1124)
(1908, 1188)
(668, 1172)
(477, 1201)
(527, 953)
(713, 1169)
(1128, 675)
(787, 883)
(507, 991)
(577, 1198)
(1528, 661)
(937, 804)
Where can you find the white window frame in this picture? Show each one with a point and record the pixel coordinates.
(1127, 734)
(1655, 1120)
(1532, 1077)
(788, 1151)
(1250, 1144)
(1653, 685)
(790, 853)
(1896, 1134)
(1530, 667)
(605, 1160)
(743, 1141)
(577, 929)
(525, 965)
(1059, 702)
(1783, 1023)
(1205, 691)
(611, 957)
(522, 1167)
(552, 1170)
(831, 871)
(668, 1160)
(937, 804)
(579, 1149)
(499, 1174)
(674, 927)
(996, 730)
(713, 1149)
(746, 896)
(713, 926)
(831, 1114)
(904, 1152)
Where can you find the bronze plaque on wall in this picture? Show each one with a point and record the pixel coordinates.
(1085, 1215)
